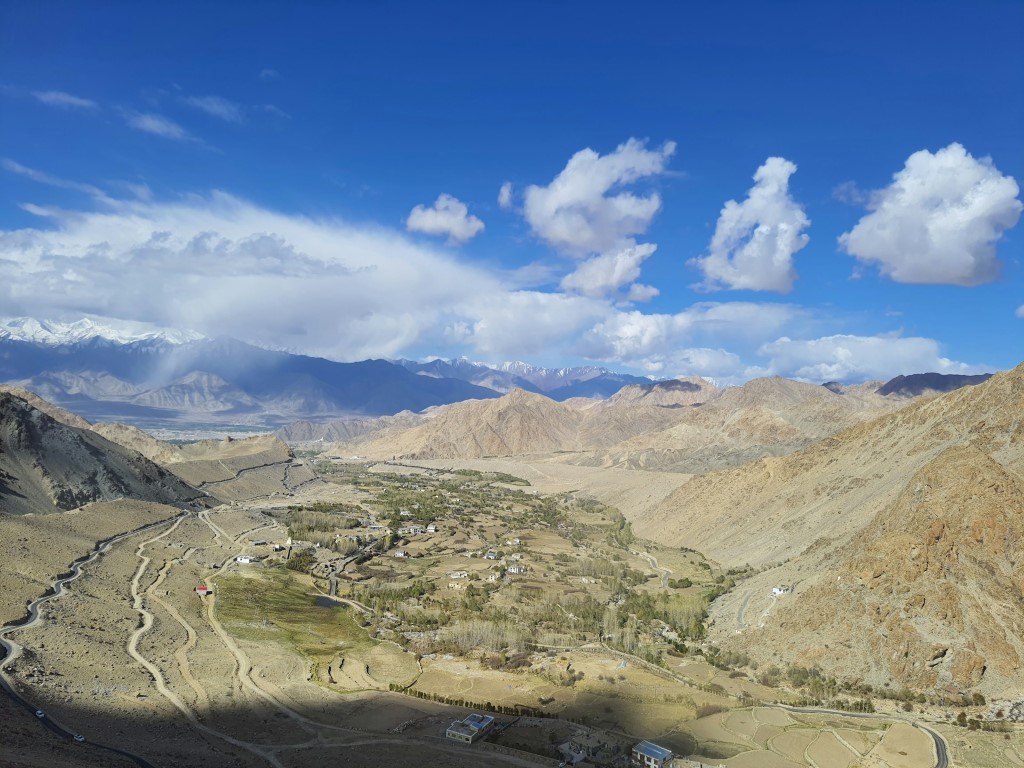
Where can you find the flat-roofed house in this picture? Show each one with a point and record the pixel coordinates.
(471, 728)
(651, 755)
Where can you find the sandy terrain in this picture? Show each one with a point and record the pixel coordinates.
(630, 491)
(36, 548)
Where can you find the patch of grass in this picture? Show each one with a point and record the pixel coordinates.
(280, 606)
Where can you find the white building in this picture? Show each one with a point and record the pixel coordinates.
(471, 728)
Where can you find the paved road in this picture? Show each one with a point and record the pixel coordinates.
(941, 755)
(665, 572)
(740, 626)
(12, 650)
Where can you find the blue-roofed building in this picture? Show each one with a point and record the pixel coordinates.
(471, 728)
(651, 755)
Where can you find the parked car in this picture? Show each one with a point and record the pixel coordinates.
(79, 738)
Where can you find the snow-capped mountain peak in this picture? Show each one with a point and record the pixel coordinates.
(55, 333)
(581, 373)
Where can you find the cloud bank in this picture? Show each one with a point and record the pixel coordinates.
(846, 358)
(228, 267)
(939, 220)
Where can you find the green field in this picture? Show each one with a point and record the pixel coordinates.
(282, 607)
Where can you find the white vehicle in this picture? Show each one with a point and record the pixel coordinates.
(79, 738)
(40, 714)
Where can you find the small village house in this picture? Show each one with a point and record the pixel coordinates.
(649, 755)
(472, 728)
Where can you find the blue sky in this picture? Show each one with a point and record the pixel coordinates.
(328, 178)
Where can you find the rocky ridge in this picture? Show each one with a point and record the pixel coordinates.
(48, 466)
(901, 536)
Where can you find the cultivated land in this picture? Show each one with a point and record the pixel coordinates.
(600, 637)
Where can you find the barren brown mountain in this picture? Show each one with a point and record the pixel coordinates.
(686, 425)
(47, 466)
(347, 429)
(931, 593)
(765, 417)
(520, 422)
(51, 410)
(873, 497)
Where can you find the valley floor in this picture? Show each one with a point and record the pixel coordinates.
(133, 658)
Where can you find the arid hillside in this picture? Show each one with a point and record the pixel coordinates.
(339, 431)
(686, 425)
(47, 465)
(900, 536)
(930, 594)
(774, 508)
(764, 417)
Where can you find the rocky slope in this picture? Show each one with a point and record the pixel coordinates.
(931, 591)
(51, 410)
(47, 465)
(901, 535)
(720, 428)
(344, 430)
(772, 509)
(685, 425)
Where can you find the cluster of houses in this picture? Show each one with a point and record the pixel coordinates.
(645, 754)
(416, 530)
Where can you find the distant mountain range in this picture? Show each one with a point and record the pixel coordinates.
(557, 383)
(146, 375)
(150, 376)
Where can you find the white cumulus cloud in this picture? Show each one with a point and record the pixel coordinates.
(62, 99)
(604, 274)
(858, 358)
(447, 216)
(505, 195)
(584, 209)
(939, 220)
(755, 240)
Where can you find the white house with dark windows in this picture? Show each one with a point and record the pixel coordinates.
(470, 729)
